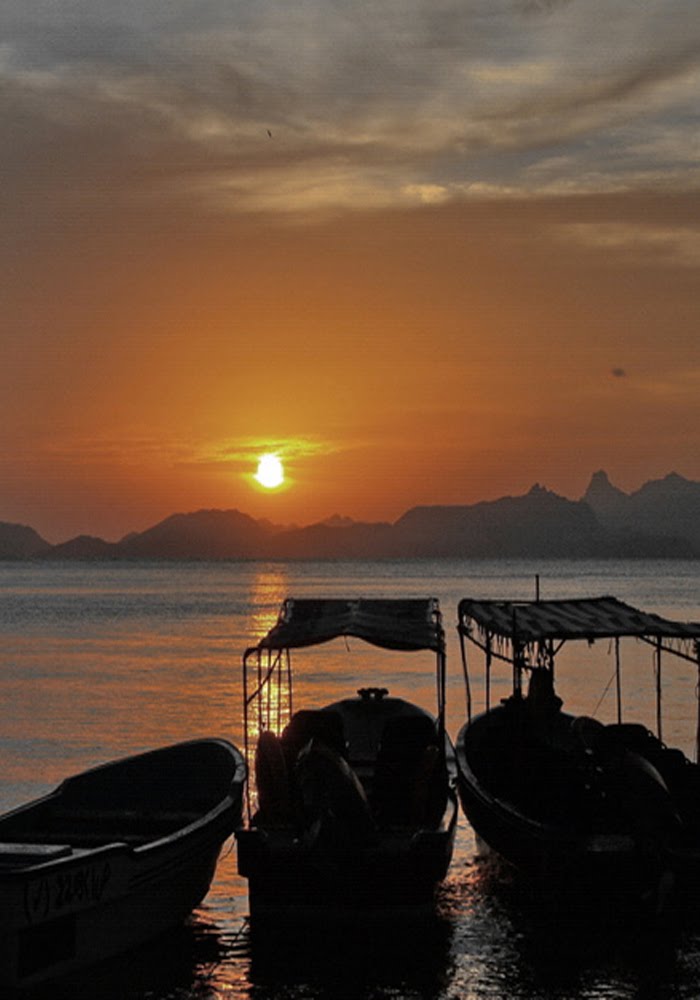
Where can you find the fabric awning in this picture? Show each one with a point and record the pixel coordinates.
(586, 618)
(410, 624)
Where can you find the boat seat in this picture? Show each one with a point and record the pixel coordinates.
(23, 855)
(85, 827)
(333, 810)
(276, 758)
(681, 776)
(120, 817)
(318, 724)
(272, 782)
(410, 783)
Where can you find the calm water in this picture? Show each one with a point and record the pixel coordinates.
(99, 661)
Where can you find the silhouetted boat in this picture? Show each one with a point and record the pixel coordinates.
(564, 795)
(356, 802)
(113, 857)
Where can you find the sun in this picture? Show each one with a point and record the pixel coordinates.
(270, 472)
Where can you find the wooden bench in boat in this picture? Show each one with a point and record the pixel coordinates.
(92, 828)
(25, 854)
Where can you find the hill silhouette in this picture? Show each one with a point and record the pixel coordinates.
(205, 534)
(668, 507)
(17, 541)
(660, 520)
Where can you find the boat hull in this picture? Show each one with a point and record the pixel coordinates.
(566, 837)
(67, 906)
(540, 849)
(400, 875)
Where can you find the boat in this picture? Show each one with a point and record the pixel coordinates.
(553, 793)
(354, 805)
(113, 857)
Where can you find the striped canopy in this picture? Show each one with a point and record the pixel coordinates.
(586, 618)
(410, 624)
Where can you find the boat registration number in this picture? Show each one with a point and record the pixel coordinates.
(62, 892)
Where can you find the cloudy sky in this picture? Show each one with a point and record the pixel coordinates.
(427, 252)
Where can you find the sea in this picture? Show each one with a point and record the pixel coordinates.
(102, 660)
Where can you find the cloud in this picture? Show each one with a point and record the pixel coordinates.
(245, 452)
(441, 101)
(138, 446)
(618, 372)
(660, 245)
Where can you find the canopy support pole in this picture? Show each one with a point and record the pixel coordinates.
(288, 657)
(465, 672)
(518, 658)
(657, 659)
(441, 667)
(618, 680)
(488, 672)
(697, 702)
(246, 738)
(518, 667)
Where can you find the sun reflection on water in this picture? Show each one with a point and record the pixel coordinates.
(268, 591)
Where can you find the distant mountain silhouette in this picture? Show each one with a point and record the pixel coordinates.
(660, 520)
(343, 539)
(539, 523)
(604, 499)
(20, 542)
(667, 508)
(205, 534)
(85, 547)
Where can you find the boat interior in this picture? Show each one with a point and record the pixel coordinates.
(55, 824)
(578, 773)
(380, 754)
(135, 801)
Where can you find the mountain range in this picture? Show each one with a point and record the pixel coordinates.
(660, 520)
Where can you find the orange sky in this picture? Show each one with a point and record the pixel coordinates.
(409, 304)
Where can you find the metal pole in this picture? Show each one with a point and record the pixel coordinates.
(258, 698)
(618, 680)
(518, 658)
(697, 702)
(441, 671)
(246, 744)
(488, 672)
(658, 688)
(465, 671)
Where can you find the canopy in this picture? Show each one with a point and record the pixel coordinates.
(410, 624)
(586, 618)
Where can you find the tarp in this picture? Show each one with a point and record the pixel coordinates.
(586, 618)
(410, 624)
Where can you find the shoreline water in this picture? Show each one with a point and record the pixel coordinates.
(101, 660)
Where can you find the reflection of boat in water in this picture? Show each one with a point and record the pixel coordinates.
(554, 793)
(356, 801)
(183, 961)
(379, 956)
(113, 857)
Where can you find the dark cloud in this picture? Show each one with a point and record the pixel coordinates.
(540, 6)
(386, 101)
(72, 43)
(618, 372)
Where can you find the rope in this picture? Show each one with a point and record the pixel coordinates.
(602, 697)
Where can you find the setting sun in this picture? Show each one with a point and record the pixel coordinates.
(270, 472)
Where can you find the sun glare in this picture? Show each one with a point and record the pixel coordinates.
(270, 472)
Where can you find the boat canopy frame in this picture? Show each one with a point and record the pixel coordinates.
(402, 624)
(529, 634)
